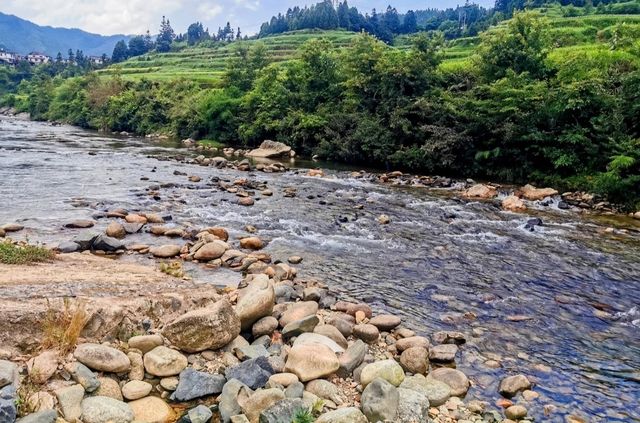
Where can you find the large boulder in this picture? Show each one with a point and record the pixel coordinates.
(211, 251)
(255, 301)
(311, 361)
(106, 243)
(207, 328)
(513, 203)
(481, 191)
(194, 384)
(102, 358)
(105, 410)
(413, 406)
(271, 149)
(380, 401)
(533, 194)
(162, 361)
(166, 251)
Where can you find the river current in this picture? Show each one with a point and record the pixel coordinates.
(560, 304)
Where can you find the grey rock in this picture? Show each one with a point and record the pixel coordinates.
(295, 390)
(105, 410)
(84, 376)
(200, 414)
(511, 385)
(343, 415)
(8, 373)
(132, 228)
(352, 358)
(228, 400)
(194, 384)
(250, 352)
(299, 327)
(106, 243)
(345, 327)
(413, 406)
(436, 391)
(46, 416)
(283, 411)
(380, 401)
(8, 411)
(69, 400)
(68, 247)
(103, 358)
(254, 373)
(85, 239)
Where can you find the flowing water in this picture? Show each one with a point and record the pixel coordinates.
(561, 304)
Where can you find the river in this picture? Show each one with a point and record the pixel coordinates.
(561, 303)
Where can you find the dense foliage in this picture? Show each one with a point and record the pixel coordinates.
(516, 112)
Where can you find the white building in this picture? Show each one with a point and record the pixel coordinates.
(8, 57)
(96, 60)
(37, 58)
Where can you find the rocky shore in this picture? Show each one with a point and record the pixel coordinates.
(276, 349)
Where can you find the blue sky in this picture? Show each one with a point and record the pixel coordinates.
(136, 16)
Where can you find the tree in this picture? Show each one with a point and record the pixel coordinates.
(391, 20)
(165, 37)
(120, 52)
(410, 24)
(137, 46)
(520, 47)
(344, 20)
(195, 33)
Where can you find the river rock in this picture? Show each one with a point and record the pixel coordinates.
(252, 243)
(250, 352)
(151, 410)
(80, 224)
(211, 251)
(295, 390)
(145, 343)
(444, 353)
(380, 400)
(412, 341)
(481, 191)
(102, 358)
(84, 376)
(384, 219)
(295, 259)
(388, 370)
(200, 414)
(344, 326)
(137, 365)
(106, 243)
(332, 333)
(436, 391)
(132, 228)
(46, 416)
(534, 194)
(343, 415)
(246, 201)
(207, 328)
(368, 333)
(514, 204)
(135, 218)
(325, 390)
(169, 383)
(415, 360)
(8, 399)
(68, 247)
(69, 401)
(457, 381)
(283, 379)
(516, 412)
(12, 227)
(8, 373)
(283, 411)
(255, 301)
(265, 326)
(162, 361)
(314, 338)
(105, 410)
(109, 388)
(254, 373)
(228, 400)
(352, 358)
(194, 384)
(43, 366)
(116, 230)
(219, 232)
(260, 400)
(271, 149)
(449, 337)
(299, 327)
(311, 361)
(136, 389)
(511, 385)
(385, 322)
(298, 311)
(413, 406)
(166, 251)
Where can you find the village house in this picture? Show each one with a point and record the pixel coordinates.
(8, 57)
(37, 58)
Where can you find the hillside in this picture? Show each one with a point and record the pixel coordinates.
(570, 35)
(21, 36)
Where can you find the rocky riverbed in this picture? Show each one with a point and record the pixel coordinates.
(546, 293)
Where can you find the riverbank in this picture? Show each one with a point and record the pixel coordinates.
(449, 264)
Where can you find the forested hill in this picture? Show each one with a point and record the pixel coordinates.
(21, 36)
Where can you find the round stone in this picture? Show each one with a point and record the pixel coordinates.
(415, 360)
(457, 381)
(368, 333)
(163, 361)
(102, 357)
(388, 370)
(152, 410)
(136, 389)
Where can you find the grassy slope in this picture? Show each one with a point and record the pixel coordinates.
(573, 36)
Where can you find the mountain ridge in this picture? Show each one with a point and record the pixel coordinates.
(21, 36)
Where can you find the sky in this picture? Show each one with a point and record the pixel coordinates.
(109, 17)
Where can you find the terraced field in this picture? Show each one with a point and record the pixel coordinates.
(582, 36)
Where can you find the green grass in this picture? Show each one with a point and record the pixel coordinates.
(211, 143)
(589, 34)
(11, 253)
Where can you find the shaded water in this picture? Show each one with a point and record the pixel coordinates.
(561, 304)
